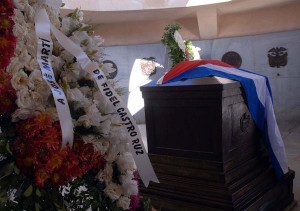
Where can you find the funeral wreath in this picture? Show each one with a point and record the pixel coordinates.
(93, 170)
(179, 49)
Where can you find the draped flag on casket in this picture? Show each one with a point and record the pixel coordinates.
(259, 100)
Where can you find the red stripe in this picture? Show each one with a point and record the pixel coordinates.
(187, 65)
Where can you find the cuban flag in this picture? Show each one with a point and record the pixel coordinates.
(259, 98)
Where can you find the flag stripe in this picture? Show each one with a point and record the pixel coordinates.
(187, 65)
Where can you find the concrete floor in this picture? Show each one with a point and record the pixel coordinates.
(289, 125)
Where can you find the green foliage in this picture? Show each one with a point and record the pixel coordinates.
(175, 53)
(189, 44)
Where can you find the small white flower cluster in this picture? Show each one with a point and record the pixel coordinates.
(89, 108)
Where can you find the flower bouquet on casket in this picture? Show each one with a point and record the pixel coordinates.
(95, 172)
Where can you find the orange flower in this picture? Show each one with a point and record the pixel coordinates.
(28, 161)
(6, 23)
(7, 103)
(41, 175)
(7, 7)
(54, 162)
(39, 154)
(4, 42)
(7, 95)
(56, 179)
(43, 120)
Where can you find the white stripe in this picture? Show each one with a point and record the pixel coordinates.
(259, 81)
(274, 135)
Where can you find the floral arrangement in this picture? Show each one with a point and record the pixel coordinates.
(98, 172)
(179, 50)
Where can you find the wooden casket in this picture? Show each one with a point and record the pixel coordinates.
(207, 151)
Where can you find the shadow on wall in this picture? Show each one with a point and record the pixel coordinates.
(255, 51)
(143, 71)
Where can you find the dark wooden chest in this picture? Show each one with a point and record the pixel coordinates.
(206, 150)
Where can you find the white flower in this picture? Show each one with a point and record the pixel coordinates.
(77, 96)
(24, 99)
(35, 78)
(67, 56)
(20, 80)
(87, 91)
(126, 162)
(126, 177)
(73, 72)
(85, 121)
(22, 114)
(53, 15)
(53, 113)
(30, 12)
(18, 16)
(15, 65)
(123, 146)
(95, 53)
(57, 63)
(32, 64)
(196, 51)
(113, 191)
(99, 144)
(123, 202)
(91, 118)
(38, 100)
(102, 104)
(20, 4)
(80, 15)
(130, 188)
(117, 133)
(105, 127)
(97, 40)
(37, 84)
(20, 30)
(24, 57)
(105, 175)
(20, 46)
(79, 36)
(112, 154)
(66, 25)
(69, 24)
(31, 45)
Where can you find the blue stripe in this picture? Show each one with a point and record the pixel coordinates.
(267, 81)
(256, 109)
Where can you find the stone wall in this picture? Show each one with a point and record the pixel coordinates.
(253, 50)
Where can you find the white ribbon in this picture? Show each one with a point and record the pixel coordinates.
(179, 41)
(44, 54)
(137, 147)
(138, 151)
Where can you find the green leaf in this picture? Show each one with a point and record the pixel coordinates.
(8, 148)
(16, 170)
(3, 196)
(8, 169)
(28, 191)
(37, 206)
(38, 192)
